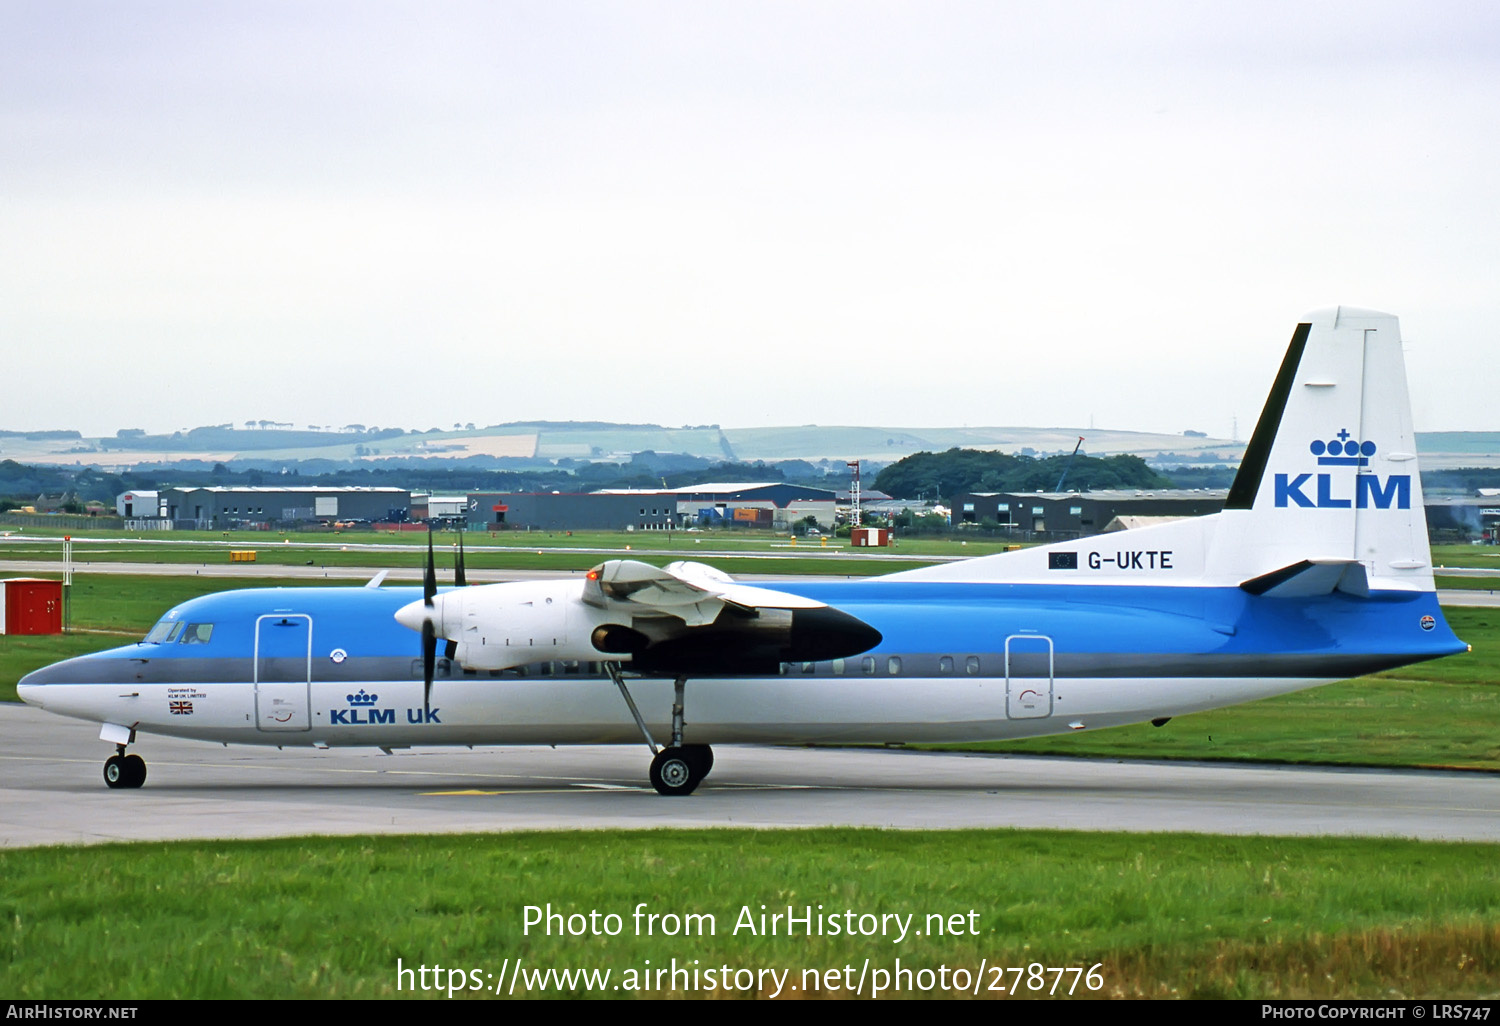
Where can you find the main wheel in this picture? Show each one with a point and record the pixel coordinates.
(115, 773)
(135, 770)
(675, 772)
(702, 757)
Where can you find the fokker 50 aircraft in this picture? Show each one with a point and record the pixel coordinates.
(1317, 569)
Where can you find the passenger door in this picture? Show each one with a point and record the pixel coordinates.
(1028, 676)
(283, 672)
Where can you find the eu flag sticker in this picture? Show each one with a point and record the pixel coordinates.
(1062, 561)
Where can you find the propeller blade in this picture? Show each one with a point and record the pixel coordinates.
(458, 564)
(429, 632)
(451, 651)
(429, 660)
(429, 579)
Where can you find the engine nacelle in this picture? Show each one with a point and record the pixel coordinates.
(655, 620)
(501, 626)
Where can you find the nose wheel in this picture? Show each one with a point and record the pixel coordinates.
(123, 770)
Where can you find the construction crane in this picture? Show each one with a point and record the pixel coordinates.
(1069, 465)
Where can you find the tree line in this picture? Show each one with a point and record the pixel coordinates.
(934, 475)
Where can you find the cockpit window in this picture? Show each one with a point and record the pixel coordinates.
(197, 633)
(164, 633)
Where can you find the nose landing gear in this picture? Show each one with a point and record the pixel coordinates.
(121, 770)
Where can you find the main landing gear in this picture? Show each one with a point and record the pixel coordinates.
(121, 770)
(677, 769)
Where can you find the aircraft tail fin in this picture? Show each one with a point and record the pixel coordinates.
(1330, 474)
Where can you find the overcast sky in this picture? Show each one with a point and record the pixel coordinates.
(743, 213)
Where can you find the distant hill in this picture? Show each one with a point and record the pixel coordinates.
(544, 444)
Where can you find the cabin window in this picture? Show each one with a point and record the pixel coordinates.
(971, 665)
(809, 667)
(196, 634)
(867, 666)
(838, 666)
(945, 664)
(164, 633)
(893, 666)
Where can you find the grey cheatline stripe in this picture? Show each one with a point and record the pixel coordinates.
(1067, 665)
(1258, 452)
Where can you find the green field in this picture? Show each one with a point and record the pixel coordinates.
(735, 552)
(1161, 915)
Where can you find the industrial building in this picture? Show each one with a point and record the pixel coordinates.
(1464, 519)
(216, 507)
(773, 505)
(1059, 515)
(139, 504)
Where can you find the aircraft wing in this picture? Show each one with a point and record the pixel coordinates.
(694, 593)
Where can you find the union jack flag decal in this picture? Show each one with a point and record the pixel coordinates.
(181, 708)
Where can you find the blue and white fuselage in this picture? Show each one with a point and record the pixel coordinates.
(957, 661)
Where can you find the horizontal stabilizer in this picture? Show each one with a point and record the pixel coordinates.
(1311, 577)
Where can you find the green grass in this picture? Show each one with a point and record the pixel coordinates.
(1489, 584)
(1166, 915)
(686, 542)
(734, 552)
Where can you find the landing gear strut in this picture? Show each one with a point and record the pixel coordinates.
(677, 769)
(121, 770)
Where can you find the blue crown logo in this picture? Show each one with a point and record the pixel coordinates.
(1342, 451)
(362, 698)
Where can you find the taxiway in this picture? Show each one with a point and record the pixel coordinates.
(52, 792)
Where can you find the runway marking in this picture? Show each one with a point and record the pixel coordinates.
(485, 794)
(583, 788)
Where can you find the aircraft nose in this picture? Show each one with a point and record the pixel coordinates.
(30, 687)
